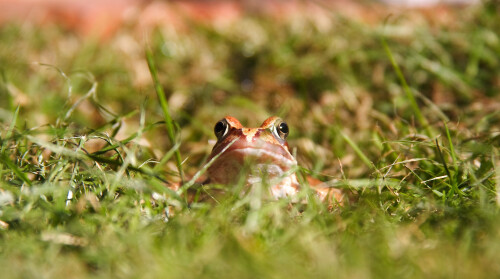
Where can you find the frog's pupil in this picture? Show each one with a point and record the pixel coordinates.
(283, 127)
(219, 127)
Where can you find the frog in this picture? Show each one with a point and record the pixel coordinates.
(263, 155)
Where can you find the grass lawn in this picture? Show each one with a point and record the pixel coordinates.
(403, 114)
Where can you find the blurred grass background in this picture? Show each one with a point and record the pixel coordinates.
(83, 147)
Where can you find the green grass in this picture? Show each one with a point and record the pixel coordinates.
(408, 122)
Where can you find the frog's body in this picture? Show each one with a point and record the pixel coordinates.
(266, 151)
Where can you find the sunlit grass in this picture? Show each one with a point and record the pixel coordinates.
(406, 123)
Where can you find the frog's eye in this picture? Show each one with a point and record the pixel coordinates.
(221, 128)
(282, 130)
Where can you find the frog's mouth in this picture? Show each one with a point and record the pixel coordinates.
(256, 150)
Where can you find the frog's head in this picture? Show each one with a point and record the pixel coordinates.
(265, 148)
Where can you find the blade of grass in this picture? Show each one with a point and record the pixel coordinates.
(63, 151)
(143, 170)
(125, 141)
(452, 148)
(496, 166)
(358, 151)
(9, 133)
(454, 188)
(197, 175)
(112, 123)
(166, 157)
(76, 167)
(364, 183)
(3, 89)
(17, 171)
(411, 98)
(166, 113)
